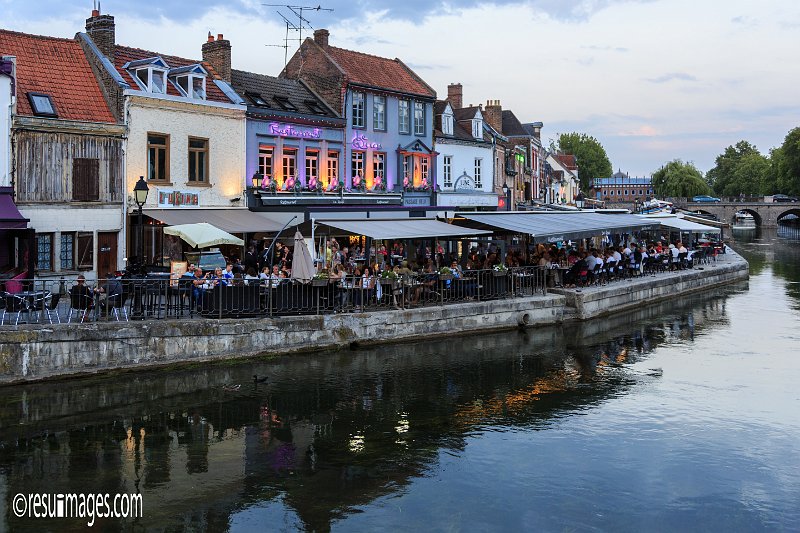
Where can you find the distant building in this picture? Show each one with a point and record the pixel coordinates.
(620, 187)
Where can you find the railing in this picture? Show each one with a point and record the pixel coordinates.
(157, 297)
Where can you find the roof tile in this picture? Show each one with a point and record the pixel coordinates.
(374, 71)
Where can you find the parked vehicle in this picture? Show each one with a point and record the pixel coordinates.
(783, 198)
(207, 261)
(705, 198)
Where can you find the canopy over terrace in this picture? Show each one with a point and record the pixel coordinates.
(230, 220)
(400, 228)
(678, 223)
(556, 226)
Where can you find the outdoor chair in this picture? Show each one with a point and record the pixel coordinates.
(14, 304)
(595, 274)
(81, 303)
(50, 307)
(117, 303)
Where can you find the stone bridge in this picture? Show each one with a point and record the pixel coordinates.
(765, 214)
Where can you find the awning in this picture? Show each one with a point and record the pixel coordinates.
(400, 228)
(230, 220)
(557, 226)
(10, 217)
(681, 224)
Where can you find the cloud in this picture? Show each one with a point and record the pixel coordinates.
(605, 48)
(641, 131)
(680, 76)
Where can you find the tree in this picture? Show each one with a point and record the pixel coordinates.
(592, 158)
(786, 164)
(679, 179)
(740, 169)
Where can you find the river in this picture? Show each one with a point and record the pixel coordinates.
(680, 416)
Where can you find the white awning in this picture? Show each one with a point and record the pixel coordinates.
(557, 226)
(681, 224)
(230, 220)
(400, 228)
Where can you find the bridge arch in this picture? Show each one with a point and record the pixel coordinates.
(754, 212)
(792, 211)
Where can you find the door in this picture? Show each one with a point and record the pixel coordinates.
(106, 252)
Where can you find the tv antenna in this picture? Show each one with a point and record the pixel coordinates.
(301, 24)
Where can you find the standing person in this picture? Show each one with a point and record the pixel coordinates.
(226, 277)
(250, 258)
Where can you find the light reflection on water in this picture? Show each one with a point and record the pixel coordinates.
(680, 416)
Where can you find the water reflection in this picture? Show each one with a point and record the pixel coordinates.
(777, 249)
(328, 434)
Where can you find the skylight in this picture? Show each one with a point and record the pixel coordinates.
(284, 103)
(256, 99)
(42, 105)
(314, 107)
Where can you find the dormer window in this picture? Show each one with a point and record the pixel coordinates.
(150, 74)
(447, 124)
(42, 105)
(477, 128)
(190, 81)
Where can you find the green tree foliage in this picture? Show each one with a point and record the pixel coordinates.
(741, 169)
(679, 179)
(592, 158)
(786, 164)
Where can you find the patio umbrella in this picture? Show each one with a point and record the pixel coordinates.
(302, 264)
(203, 235)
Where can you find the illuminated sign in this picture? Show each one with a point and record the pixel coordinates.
(360, 142)
(168, 198)
(287, 130)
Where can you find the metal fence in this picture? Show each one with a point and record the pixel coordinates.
(157, 297)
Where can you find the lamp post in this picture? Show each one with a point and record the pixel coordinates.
(140, 191)
(507, 192)
(258, 178)
(548, 171)
(579, 200)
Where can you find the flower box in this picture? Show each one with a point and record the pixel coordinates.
(499, 273)
(320, 282)
(445, 277)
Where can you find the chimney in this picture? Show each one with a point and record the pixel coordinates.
(455, 93)
(102, 31)
(217, 53)
(493, 114)
(321, 37)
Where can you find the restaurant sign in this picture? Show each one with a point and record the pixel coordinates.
(171, 198)
(287, 130)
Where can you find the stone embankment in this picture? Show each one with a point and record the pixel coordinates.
(30, 353)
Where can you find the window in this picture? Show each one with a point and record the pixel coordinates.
(407, 167)
(312, 165)
(358, 110)
(404, 116)
(419, 118)
(333, 167)
(44, 251)
(256, 98)
(447, 168)
(157, 157)
(315, 107)
(478, 162)
(198, 160)
(152, 80)
(85, 251)
(379, 113)
(379, 166)
(85, 180)
(265, 160)
(423, 167)
(67, 251)
(289, 164)
(357, 167)
(447, 124)
(192, 85)
(284, 103)
(42, 105)
(477, 128)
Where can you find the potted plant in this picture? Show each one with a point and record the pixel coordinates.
(445, 273)
(320, 279)
(387, 277)
(500, 270)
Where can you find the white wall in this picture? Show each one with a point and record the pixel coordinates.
(5, 131)
(225, 130)
(464, 161)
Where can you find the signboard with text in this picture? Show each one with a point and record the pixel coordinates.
(171, 198)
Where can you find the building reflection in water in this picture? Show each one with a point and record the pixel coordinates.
(330, 432)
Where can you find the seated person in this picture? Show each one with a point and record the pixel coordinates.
(81, 296)
(428, 282)
(106, 294)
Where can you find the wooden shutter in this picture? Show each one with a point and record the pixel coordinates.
(85, 251)
(85, 180)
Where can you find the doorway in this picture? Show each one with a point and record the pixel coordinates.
(106, 252)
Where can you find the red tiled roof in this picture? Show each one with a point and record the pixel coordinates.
(366, 69)
(568, 161)
(59, 68)
(124, 54)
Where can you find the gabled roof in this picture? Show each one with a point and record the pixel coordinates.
(512, 127)
(378, 72)
(569, 161)
(250, 84)
(126, 54)
(460, 132)
(58, 68)
(466, 113)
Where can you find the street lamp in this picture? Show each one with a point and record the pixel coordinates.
(257, 179)
(140, 191)
(548, 170)
(507, 192)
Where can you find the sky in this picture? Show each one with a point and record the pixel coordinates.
(652, 80)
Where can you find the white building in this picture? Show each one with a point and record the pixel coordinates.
(6, 102)
(562, 178)
(465, 163)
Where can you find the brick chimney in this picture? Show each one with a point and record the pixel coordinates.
(102, 30)
(217, 53)
(455, 94)
(321, 37)
(493, 114)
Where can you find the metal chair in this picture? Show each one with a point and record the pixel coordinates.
(117, 302)
(14, 304)
(50, 307)
(81, 303)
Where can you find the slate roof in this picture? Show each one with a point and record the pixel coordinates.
(125, 54)
(381, 72)
(59, 68)
(460, 132)
(268, 87)
(512, 127)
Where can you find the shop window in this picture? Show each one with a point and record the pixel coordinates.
(289, 164)
(265, 154)
(333, 167)
(312, 166)
(423, 172)
(85, 179)
(44, 251)
(198, 160)
(357, 166)
(378, 168)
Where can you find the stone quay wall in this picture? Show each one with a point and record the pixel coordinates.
(38, 352)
